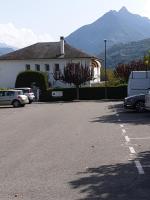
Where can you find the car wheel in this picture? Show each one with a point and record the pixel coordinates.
(16, 104)
(140, 106)
(30, 101)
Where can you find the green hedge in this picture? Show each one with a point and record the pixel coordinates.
(90, 93)
(25, 79)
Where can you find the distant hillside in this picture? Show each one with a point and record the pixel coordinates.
(4, 48)
(124, 53)
(116, 27)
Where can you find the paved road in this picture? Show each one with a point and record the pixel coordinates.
(74, 151)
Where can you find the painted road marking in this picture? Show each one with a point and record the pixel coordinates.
(123, 130)
(143, 138)
(127, 138)
(132, 150)
(139, 167)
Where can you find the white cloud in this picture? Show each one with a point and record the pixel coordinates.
(146, 9)
(22, 37)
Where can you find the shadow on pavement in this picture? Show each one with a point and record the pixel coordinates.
(7, 107)
(126, 116)
(114, 182)
(71, 101)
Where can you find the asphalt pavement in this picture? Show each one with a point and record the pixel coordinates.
(88, 150)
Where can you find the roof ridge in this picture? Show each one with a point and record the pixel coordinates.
(45, 50)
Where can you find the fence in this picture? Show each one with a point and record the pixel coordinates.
(91, 93)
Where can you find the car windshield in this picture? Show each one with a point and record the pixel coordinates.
(20, 92)
(26, 90)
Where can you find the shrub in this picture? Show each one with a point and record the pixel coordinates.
(27, 78)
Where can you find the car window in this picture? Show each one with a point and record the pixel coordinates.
(2, 93)
(20, 92)
(10, 93)
(26, 91)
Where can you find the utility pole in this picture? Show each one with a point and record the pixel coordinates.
(105, 72)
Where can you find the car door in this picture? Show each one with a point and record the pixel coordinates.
(3, 98)
(9, 97)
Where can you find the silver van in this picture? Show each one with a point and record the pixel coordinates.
(13, 97)
(138, 83)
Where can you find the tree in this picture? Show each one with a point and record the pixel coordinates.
(147, 60)
(27, 78)
(75, 73)
(123, 71)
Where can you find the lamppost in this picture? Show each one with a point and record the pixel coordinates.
(105, 72)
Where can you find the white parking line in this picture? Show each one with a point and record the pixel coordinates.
(132, 150)
(142, 138)
(127, 138)
(123, 130)
(139, 167)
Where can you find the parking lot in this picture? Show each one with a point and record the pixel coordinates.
(87, 150)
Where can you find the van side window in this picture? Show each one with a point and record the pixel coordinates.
(2, 93)
(10, 93)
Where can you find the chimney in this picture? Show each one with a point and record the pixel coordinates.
(62, 49)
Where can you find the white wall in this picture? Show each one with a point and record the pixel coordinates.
(10, 69)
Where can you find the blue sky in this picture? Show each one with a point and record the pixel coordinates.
(23, 22)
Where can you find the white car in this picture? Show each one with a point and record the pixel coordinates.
(13, 97)
(147, 101)
(28, 92)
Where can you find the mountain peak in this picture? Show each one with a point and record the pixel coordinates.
(121, 26)
(123, 10)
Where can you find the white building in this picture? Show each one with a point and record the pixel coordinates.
(47, 57)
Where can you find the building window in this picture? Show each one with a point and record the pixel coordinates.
(57, 73)
(56, 67)
(47, 68)
(37, 67)
(27, 67)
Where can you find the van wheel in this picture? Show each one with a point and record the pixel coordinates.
(16, 104)
(140, 106)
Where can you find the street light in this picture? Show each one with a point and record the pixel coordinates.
(105, 72)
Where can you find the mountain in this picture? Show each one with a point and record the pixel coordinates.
(125, 53)
(115, 27)
(4, 48)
